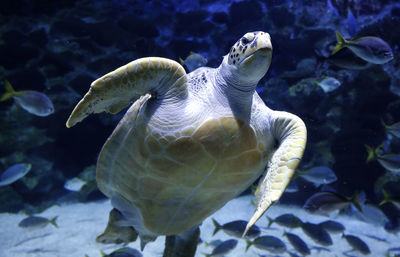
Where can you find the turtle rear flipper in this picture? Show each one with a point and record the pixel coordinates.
(161, 77)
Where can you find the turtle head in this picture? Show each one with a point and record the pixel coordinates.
(249, 58)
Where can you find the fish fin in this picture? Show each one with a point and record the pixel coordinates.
(102, 253)
(354, 201)
(383, 123)
(371, 153)
(9, 91)
(270, 221)
(386, 197)
(341, 43)
(53, 221)
(181, 61)
(248, 244)
(191, 52)
(216, 225)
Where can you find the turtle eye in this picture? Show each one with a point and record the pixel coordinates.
(245, 40)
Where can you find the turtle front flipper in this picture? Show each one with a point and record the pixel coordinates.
(291, 134)
(114, 91)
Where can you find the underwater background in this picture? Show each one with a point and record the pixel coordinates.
(351, 107)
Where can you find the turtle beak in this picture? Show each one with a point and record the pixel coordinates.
(262, 49)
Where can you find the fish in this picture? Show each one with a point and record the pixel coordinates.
(13, 173)
(328, 84)
(297, 243)
(223, 248)
(326, 202)
(292, 187)
(74, 184)
(31, 101)
(287, 220)
(371, 214)
(344, 59)
(352, 27)
(357, 244)
(390, 161)
(387, 198)
(193, 61)
(36, 222)
(213, 242)
(236, 229)
(332, 226)
(371, 49)
(123, 252)
(269, 243)
(317, 233)
(393, 129)
(117, 231)
(320, 175)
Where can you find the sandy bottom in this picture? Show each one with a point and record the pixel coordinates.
(79, 224)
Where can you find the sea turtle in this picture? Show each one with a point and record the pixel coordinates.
(191, 142)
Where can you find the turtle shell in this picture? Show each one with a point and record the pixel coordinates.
(177, 179)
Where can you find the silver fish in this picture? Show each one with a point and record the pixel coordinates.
(74, 184)
(297, 243)
(123, 252)
(223, 248)
(31, 101)
(319, 175)
(36, 222)
(332, 226)
(14, 173)
(325, 202)
(287, 220)
(329, 84)
(269, 243)
(357, 244)
(317, 233)
(194, 61)
(371, 49)
(389, 161)
(236, 229)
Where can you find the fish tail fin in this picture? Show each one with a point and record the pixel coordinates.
(341, 42)
(53, 221)
(9, 91)
(181, 61)
(102, 253)
(216, 225)
(371, 153)
(248, 244)
(355, 201)
(386, 198)
(270, 221)
(383, 123)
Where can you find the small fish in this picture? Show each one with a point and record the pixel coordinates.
(325, 202)
(117, 232)
(193, 61)
(317, 233)
(292, 187)
(389, 161)
(370, 49)
(123, 252)
(371, 214)
(332, 226)
(387, 198)
(357, 244)
(344, 59)
(298, 243)
(74, 184)
(14, 173)
(393, 129)
(269, 243)
(352, 27)
(36, 222)
(236, 229)
(287, 220)
(223, 248)
(31, 101)
(328, 84)
(320, 175)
